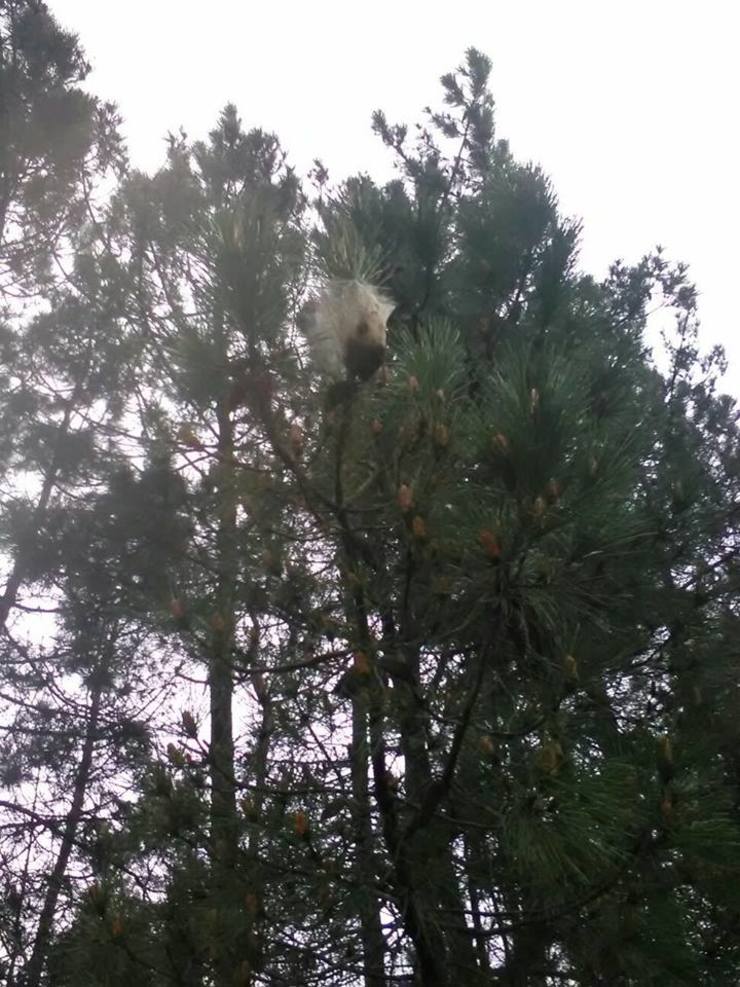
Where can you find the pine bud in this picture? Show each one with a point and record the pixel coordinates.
(490, 544)
(550, 757)
(441, 435)
(376, 426)
(300, 823)
(361, 663)
(500, 442)
(539, 507)
(413, 384)
(177, 608)
(419, 528)
(405, 497)
(251, 904)
(486, 745)
(571, 668)
(117, 927)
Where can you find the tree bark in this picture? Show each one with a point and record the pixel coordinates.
(223, 814)
(435, 883)
(41, 943)
(373, 943)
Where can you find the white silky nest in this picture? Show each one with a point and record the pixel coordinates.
(345, 327)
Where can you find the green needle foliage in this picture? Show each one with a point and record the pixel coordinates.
(432, 684)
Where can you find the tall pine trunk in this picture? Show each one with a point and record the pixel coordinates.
(224, 847)
(429, 850)
(41, 944)
(373, 944)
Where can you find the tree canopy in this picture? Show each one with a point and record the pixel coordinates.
(432, 684)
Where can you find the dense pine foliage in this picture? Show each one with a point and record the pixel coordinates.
(436, 684)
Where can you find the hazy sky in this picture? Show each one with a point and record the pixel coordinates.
(631, 107)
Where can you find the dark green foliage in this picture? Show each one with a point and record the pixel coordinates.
(436, 686)
(53, 133)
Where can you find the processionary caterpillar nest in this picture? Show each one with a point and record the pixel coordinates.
(345, 326)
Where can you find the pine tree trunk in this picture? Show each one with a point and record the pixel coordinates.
(373, 944)
(364, 718)
(436, 886)
(259, 769)
(224, 822)
(429, 948)
(48, 910)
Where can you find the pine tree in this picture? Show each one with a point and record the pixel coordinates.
(434, 681)
(55, 139)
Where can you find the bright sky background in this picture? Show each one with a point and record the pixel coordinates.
(631, 107)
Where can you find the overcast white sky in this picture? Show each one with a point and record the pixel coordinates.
(631, 107)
